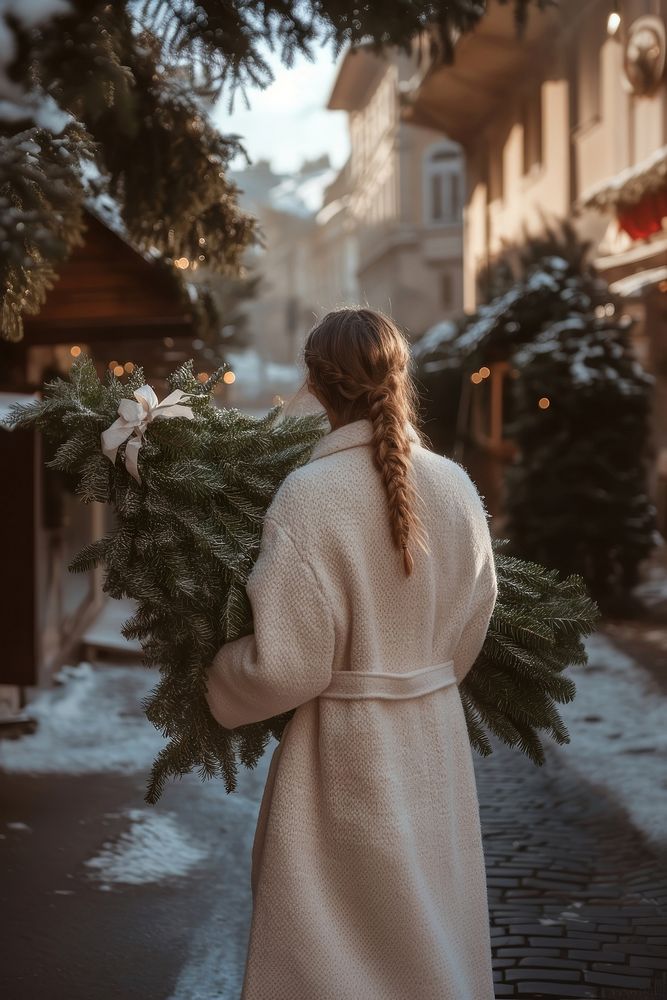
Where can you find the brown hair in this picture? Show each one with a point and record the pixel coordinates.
(358, 366)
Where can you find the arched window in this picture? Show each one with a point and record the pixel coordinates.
(443, 184)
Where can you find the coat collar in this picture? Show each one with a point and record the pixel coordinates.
(357, 432)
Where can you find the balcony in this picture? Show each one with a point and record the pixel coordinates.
(488, 62)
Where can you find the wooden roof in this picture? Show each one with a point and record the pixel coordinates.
(108, 290)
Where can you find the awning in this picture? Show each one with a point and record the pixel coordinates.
(488, 64)
(630, 185)
(108, 291)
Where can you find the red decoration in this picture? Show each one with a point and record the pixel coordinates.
(645, 217)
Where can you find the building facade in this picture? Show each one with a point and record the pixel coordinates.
(385, 230)
(403, 191)
(567, 122)
(335, 250)
(285, 206)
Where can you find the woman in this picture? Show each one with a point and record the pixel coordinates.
(368, 874)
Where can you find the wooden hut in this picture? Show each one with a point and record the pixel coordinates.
(114, 304)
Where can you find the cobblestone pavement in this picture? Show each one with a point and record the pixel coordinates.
(578, 899)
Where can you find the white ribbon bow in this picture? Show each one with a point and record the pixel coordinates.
(135, 416)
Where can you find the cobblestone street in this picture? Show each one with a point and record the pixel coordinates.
(576, 856)
(578, 899)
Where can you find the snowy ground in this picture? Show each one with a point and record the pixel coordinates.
(132, 859)
(618, 733)
(92, 870)
(172, 881)
(91, 722)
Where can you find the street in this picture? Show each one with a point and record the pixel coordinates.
(111, 898)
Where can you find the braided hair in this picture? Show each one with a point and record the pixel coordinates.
(357, 361)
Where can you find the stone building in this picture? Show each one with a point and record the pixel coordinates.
(568, 121)
(404, 191)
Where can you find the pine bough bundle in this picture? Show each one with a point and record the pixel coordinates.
(185, 539)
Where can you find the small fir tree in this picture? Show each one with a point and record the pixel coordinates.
(576, 494)
(183, 544)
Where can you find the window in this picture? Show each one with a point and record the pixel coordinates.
(443, 185)
(445, 195)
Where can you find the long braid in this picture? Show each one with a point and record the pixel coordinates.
(357, 361)
(392, 458)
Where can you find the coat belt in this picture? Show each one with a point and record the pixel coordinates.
(374, 684)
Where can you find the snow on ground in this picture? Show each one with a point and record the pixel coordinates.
(90, 723)
(132, 858)
(618, 736)
(217, 953)
(216, 957)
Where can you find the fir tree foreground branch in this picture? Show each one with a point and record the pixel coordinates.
(183, 543)
(536, 632)
(186, 538)
(123, 92)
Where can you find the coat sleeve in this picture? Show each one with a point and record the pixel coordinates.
(288, 660)
(483, 587)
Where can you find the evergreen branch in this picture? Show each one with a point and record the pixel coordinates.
(186, 538)
(120, 94)
(534, 634)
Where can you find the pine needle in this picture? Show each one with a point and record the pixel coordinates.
(185, 540)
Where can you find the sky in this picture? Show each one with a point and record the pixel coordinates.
(287, 122)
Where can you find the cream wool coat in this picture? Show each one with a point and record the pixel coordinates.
(368, 874)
